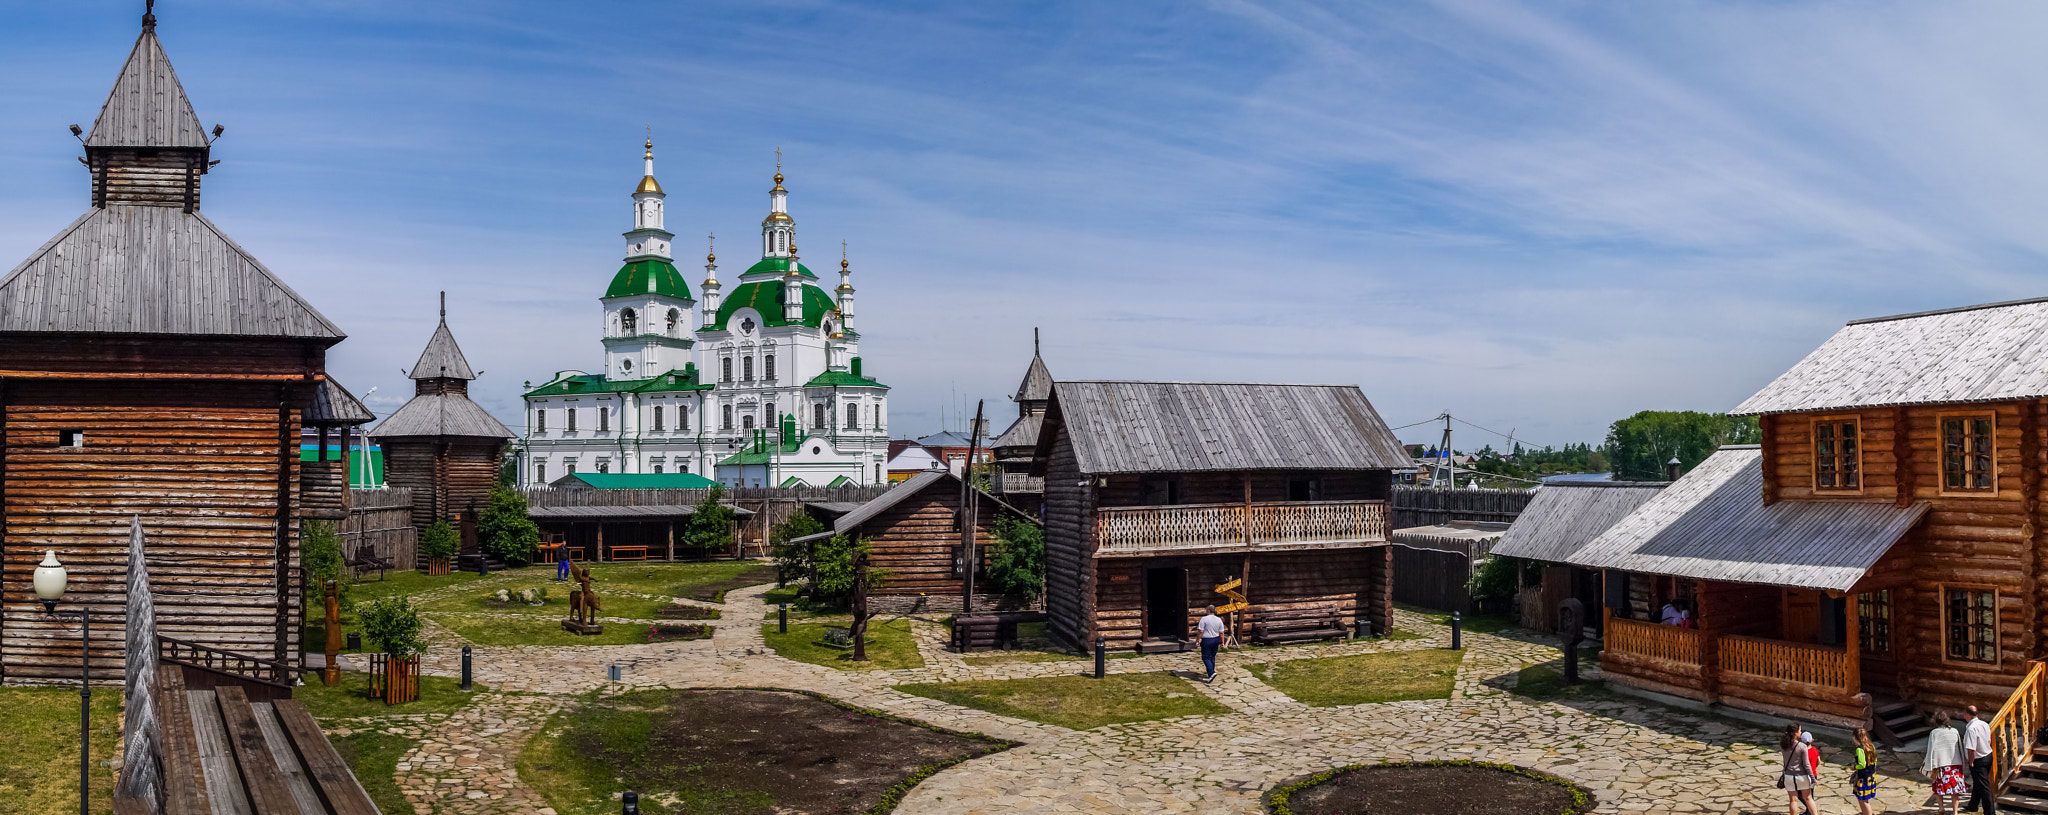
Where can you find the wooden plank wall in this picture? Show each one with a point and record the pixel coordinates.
(381, 519)
(165, 177)
(1425, 506)
(1433, 578)
(915, 540)
(200, 464)
(1353, 582)
(447, 475)
(1069, 544)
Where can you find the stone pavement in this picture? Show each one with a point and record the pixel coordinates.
(1635, 756)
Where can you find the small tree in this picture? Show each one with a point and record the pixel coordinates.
(320, 550)
(840, 561)
(1016, 565)
(505, 530)
(710, 526)
(439, 541)
(393, 626)
(792, 560)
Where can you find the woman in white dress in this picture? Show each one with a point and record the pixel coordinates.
(1944, 765)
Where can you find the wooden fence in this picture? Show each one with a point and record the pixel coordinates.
(1784, 661)
(381, 519)
(1432, 578)
(770, 505)
(1665, 642)
(1422, 506)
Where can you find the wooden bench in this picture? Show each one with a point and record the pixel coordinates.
(365, 558)
(636, 553)
(1297, 625)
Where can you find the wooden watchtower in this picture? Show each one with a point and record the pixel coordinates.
(443, 446)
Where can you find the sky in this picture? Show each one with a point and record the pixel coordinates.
(1539, 218)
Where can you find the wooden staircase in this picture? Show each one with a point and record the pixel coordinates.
(2019, 763)
(1897, 723)
(2027, 791)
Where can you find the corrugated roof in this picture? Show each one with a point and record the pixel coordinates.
(432, 414)
(147, 106)
(152, 270)
(442, 357)
(1978, 354)
(1712, 524)
(1564, 516)
(1130, 427)
(1470, 538)
(648, 511)
(333, 405)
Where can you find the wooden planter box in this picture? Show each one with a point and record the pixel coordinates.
(396, 680)
(437, 566)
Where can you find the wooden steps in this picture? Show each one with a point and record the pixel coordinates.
(267, 758)
(1157, 645)
(1898, 723)
(2028, 791)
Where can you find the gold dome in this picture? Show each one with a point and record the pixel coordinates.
(777, 216)
(845, 287)
(648, 184)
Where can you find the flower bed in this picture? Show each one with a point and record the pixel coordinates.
(679, 611)
(662, 632)
(1430, 788)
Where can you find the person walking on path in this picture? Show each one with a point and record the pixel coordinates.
(1944, 764)
(1796, 777)
(1211, 629)
(1863, 773)
(1812, 752)
(1977, 744)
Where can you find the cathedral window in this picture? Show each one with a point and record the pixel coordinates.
(657, 420)
(768, 367)
(682, 417)
(725, 371)
(657, 467)
(818, 416)
(570, 466)
(726, 424)
(540, 472)
(853, 417)
(746, 369)
(540, 420)
(627, 321)
(747, 422)
(604, 421)
(571, 413)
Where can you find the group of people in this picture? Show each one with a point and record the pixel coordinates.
(1958, 764)
(1678, 613)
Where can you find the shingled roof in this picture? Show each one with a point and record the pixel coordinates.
(1982, 353)
(442, 358)
(147, 106)
(1135, 427)
(1564, 516)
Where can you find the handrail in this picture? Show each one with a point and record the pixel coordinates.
(1183, 526)
(1667, 642)
(1789, 661)
(255, 669)
(2012, 730)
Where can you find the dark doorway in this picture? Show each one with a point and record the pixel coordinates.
(1166, 603)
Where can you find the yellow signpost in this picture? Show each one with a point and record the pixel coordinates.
(1236, 604)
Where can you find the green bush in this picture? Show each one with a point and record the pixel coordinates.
(320, 551)
(439, 541)
(505, 530)
(1495, 579)
(710, 527)
(392, 624)
(1016, 565)
(792, 560)
(835, 561)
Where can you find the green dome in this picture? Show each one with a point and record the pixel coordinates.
(778, 266)
(765, 296)
(649, 276)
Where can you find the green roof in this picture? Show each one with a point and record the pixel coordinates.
(648, 276)
(841, 481)
(764, 453)
(777, 266)
(765, 296)
(792, 481)
(644, 481)
(844, 380)
(683, 380)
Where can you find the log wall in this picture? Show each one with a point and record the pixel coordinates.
(446, 474)
(1069, 547)
(914, 540)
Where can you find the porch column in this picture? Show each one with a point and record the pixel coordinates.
(599, 554)
(1852, 645)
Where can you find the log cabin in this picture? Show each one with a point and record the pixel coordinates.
(151, 368)
(1563, 517)
(441, 445)
(914, 530)
(1156, 492)
(1875, 557)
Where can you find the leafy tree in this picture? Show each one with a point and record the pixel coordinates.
(1495, 578)
(505, 530)
(320, 551)
(836, 563)
(792, 560)
(1016, 565)
(1638, 447)
(710, 527)
(439, 541)
(393, 625)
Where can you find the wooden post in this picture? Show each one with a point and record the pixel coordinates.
(599, 554)
(1851, 643)
(330, 674)
(860, 602)
(671, 541)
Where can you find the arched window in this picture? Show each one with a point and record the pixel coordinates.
(768, 367)
(818, 416)
(747, 421)
(658, 427)
(746, 369)
(674, 317)
(727, 423)
(627, 322)
(725, 374)
(683, 418)
(853, 417)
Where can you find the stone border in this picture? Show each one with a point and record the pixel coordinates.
(1277, 800)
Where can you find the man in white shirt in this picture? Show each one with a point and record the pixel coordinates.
(1977, 748)
(1210, 627)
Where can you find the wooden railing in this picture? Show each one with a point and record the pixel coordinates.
(1789, 661)
(1666, 642)
(255, 669)
(1191, 526)
(2013, 729)
(1018, 482)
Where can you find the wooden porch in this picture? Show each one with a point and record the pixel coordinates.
(1276, 526)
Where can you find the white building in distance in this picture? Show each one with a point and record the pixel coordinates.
(765, 390)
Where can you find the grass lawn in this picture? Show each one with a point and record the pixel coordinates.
(373, 757)
(39, 755)
(396, 583)
(893, 646)
(536, 631)
(783, 594)
(1364, 678)
(1078, 702)
(438, 694)
(697, 581)
(1475, 623)
(485, 598)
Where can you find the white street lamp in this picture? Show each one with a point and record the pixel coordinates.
(50, 580)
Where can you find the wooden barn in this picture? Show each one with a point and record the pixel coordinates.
(1878, 553)
(151, 368)
(1563, 517)
(1156, 492)
(915, 528)
(445, 448)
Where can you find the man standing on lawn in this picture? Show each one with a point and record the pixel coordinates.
(1211, 629)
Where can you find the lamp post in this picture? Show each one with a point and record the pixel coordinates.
(50, 580)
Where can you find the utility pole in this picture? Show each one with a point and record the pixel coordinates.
(968, 505)
(1444, 453)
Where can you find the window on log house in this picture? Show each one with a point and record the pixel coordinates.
(1874, 622)
(1970, 624)
(1966, 453)
(1836, 455)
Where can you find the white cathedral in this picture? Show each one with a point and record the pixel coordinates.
(766, 390)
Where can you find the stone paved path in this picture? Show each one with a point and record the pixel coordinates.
(1636, 756)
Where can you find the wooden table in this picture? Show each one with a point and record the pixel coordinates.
(637, 553)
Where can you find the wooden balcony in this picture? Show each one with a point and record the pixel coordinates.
(1123, 531)
(1007, 483)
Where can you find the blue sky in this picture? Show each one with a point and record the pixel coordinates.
(1539, 217)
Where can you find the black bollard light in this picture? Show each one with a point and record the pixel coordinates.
(355, 640)
(483, 566)
(465, 667)
(632, 800)
(1457, 632)
(1101, 655)
(782, 618)
(1365, 629)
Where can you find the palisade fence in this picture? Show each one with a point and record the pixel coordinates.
(770, 505)
(380, 520)
(1423, 506)
(1435, 578)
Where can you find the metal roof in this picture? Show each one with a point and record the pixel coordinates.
(1135, 427)
(147, 106)
(1022, 433)
(1564, 516)
(1470, 538)
(1985, 353)
(333, 405)
(905, 489)
(152, 270)
(431, 414)
(442, 358)
(622, 513)
(1712, 524)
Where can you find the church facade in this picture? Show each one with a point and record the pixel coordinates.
(758, 386)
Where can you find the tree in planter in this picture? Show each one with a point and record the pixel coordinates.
(505, 530)
(1016, 565)
(392, 625)
(792, 560)
(439, 543)
(710, 527)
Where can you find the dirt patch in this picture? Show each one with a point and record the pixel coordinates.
(1433, 788)
(668, 632)
(737, 752)
(714, 592)
(678, 611)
